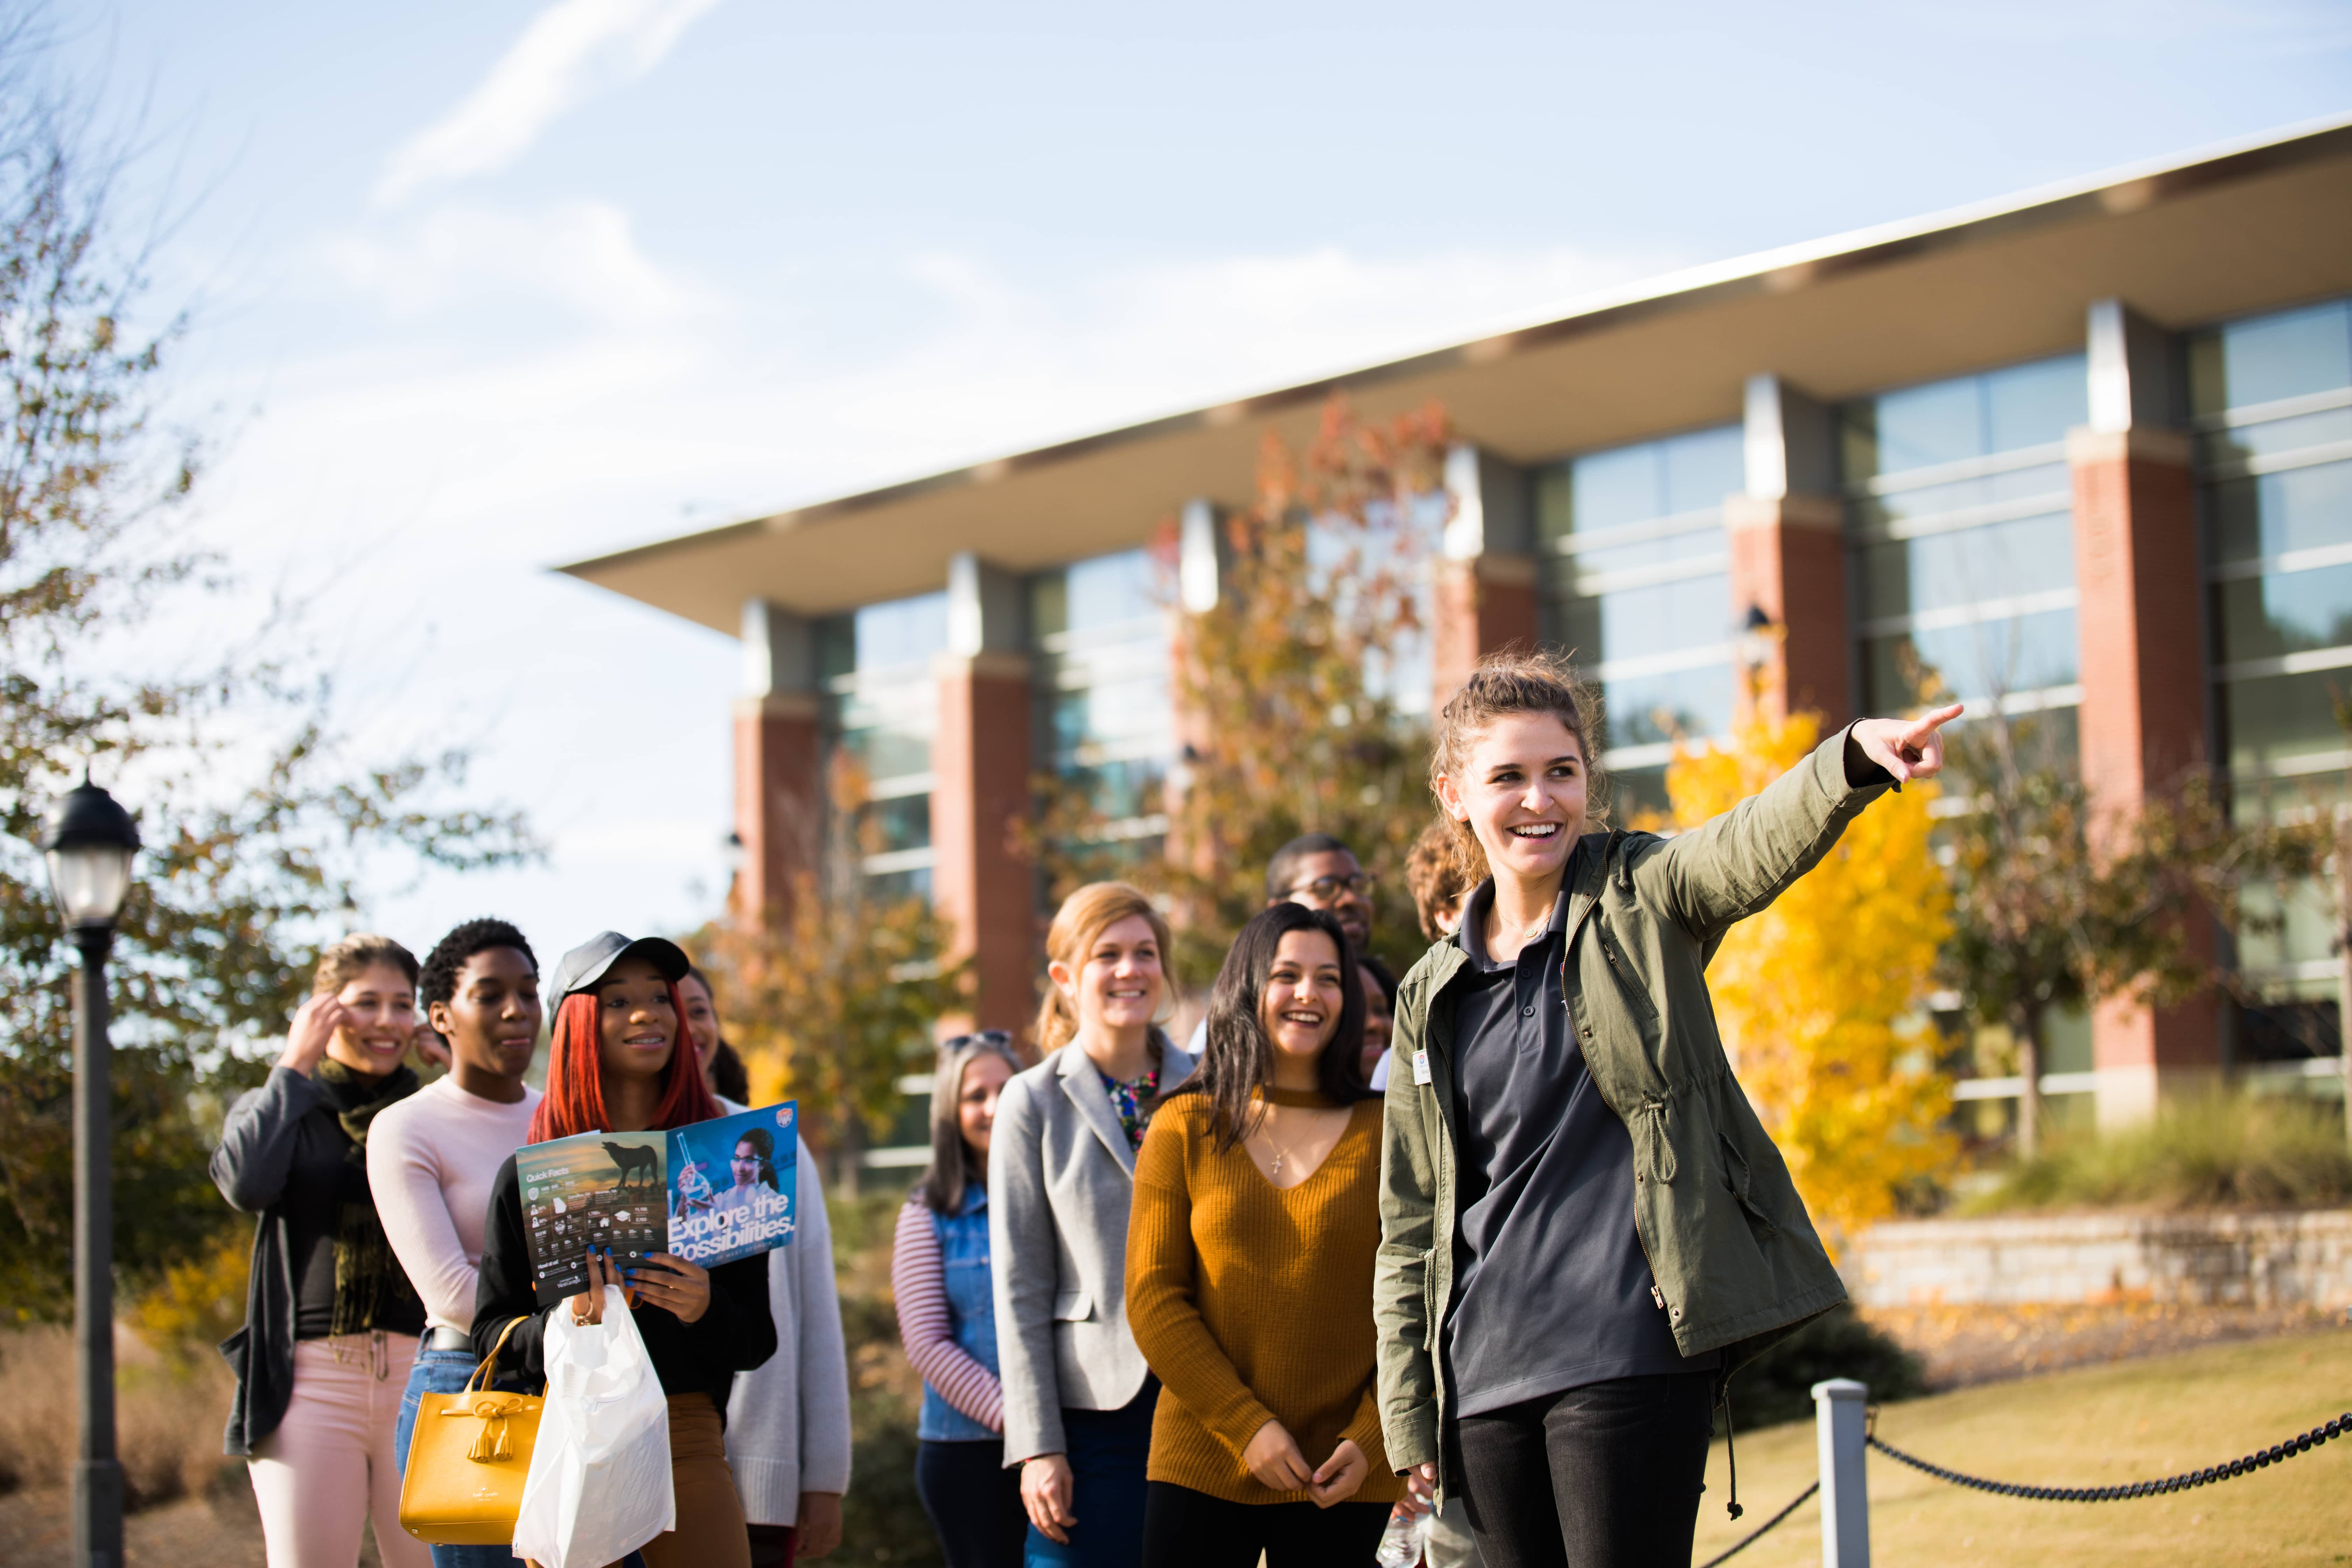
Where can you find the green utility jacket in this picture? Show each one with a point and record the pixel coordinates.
(1733, 1252)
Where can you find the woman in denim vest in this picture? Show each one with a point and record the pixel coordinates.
(947, 1315)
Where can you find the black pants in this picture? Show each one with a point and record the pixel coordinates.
(974, 1503)
(1606, 1476)
(1185, 1529)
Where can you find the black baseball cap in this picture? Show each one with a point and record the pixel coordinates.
(585, 964)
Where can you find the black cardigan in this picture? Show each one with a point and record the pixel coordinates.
(281, 1133)
(735, 1334)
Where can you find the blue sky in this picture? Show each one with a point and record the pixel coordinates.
(480, 288)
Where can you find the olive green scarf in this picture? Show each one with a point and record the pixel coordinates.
(368, 1276)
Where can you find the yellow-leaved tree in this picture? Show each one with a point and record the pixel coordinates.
(1821, 997)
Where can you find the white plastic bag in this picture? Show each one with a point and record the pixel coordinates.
(599, 1486)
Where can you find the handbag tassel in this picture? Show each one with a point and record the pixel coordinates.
(492, 1442)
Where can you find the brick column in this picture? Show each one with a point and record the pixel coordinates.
(779, 767)
(2144, 707)
(981, 763)
(1485, 595)
(1787, 533)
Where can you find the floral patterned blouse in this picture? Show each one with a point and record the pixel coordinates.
(1127, 1103)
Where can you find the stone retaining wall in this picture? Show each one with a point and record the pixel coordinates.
(2203, 1259)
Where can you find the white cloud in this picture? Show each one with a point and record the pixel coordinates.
(570, 50)
(582, 255)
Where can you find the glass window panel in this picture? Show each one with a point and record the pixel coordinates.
(2042, 480)
(2290, 611)
(902, 822)
(1702, 468)
(2276, 436)
(1098, 715)
(889, 752)
(2292, 923)
(1928, 500)
(2280, 717)
(902, 631)
(2034, 405)
(1857, 438)
(2289, 354)
(1108, 688)
(2045, 738)
(1639, 622)
(1608, 489)
(1111, 589)
(1696, 546)
(2023, 653)
(897, 887)
(1049, 604)
(1666, 478)
(836, 647)
(1693, 703)
(1923, 425)
(2269, 514)
(1980, 415)
(1122, 790)
(1573, 625)
(1555, 504)
(1997, 560)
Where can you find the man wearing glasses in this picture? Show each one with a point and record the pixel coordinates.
(1317, 871)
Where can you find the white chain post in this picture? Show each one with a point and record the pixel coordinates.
(1840, 1426)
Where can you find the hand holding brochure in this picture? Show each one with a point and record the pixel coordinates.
(710, 1194)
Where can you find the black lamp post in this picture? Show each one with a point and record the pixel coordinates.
(90, 840)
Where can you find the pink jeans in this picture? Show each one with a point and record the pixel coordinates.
(330, 1464)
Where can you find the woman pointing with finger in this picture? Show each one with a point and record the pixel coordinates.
(1585, 1229)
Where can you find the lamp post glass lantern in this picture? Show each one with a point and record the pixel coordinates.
(89, 841)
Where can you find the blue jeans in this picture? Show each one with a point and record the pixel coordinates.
(1109, 1450)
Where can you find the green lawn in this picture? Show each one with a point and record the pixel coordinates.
(2134, 1421)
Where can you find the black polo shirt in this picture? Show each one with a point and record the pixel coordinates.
(1552, 1290)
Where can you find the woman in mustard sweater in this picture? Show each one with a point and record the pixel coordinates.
(1249, 1260)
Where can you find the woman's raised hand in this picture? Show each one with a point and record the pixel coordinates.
(1273, 1457)
(1341, 1476)
(1906, 748)
(315, 1022)
(428, 1043)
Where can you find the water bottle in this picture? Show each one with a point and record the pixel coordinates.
(1401, 1544)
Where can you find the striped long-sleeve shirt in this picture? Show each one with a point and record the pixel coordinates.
(927, 1328)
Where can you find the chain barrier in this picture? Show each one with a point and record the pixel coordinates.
(1750, 1538)
(2339, 1427)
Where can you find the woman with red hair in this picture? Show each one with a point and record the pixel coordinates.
(618, 1064)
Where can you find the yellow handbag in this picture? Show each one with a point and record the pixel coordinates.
(467, 1459)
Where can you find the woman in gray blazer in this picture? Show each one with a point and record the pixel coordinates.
(1061, 1177)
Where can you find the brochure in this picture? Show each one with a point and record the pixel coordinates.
(712, 1192)
(732, 1185)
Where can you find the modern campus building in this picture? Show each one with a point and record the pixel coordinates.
(2087, 453)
